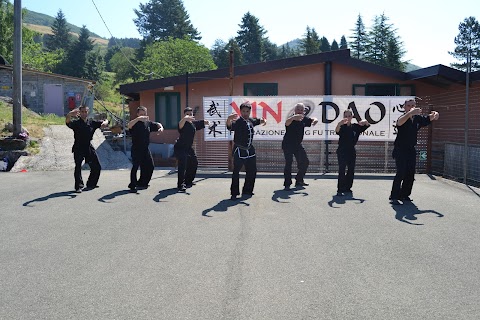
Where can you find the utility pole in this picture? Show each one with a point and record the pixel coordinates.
(467, 91)
(17, 68)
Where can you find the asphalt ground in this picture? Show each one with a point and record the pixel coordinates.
(299, 254)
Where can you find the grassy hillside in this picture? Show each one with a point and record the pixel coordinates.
(40, 19)
(47, 30)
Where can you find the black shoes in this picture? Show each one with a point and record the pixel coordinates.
(78, 190)
(408, 199)
(395, 202)
(182, 189)
(287, 188)
(301, 184)
(233, 198)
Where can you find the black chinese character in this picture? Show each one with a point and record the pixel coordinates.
(212, 128)
(213, 109)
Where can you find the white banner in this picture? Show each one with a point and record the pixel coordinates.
(380, 112)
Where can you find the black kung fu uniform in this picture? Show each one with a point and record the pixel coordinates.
(244, 154)
(141, 156)
(292, 146)
(186, 157)
(346, 154)
(405, 155)
(83, 149)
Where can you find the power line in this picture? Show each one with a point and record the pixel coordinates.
(145, 74)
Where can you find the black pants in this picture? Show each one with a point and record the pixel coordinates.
(90, 157)
(141, 158)
(346, 170)
(405, 161)
(250, 174)
(187, 165)
(302, 164)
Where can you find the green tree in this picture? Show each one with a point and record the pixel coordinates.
(94, 65)
(310, 44)
(324, 45)
(287, 52)
(6, 30)
(111, 51)
(359, 39)
(75, 62)
(343, 43)
(221, 53)
(124, 70)
(162, 19)
(250, 39)
(175, 57)
(270, 50)
(468, 45)
(384, 47)
(61, 38)
(334, 45)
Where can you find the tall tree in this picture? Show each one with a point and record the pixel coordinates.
(343, 43)
(61, 37)
(250, 39)
(468, 45)
(359, 39)
(334, 45)
(75, 62)
(310, 44)
(221, 53)
(94, 65)
(6, 30)
(383, 42)
(324, 45)
(270, 50)
(175, 57)
(119, 63)
(162, 19)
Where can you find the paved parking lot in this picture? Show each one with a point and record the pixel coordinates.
(299, 254)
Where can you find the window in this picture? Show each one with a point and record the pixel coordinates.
(383, 89)
(260, 89)
(168, 109)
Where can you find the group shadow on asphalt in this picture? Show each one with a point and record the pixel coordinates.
(406, 213)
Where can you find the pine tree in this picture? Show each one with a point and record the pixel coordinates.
(310, 44)
(358, 39)
(162, 19)
(384, 47)
(343, 43)
(324, 45)
(468, 45)
(250, 39)
(6, 30)
(61, 38)
(74, 64)
(334, 45)
(270, 50)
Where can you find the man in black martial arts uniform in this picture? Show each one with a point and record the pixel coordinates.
(243, 150)
(404, 151)
(186, 157)
(292, 146)
(140, 129)
(82, 149)
(346, 154)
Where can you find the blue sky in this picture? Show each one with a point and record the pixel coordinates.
(426, 27)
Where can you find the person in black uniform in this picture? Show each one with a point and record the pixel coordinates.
(186, 157)
(140, 129)
(346, 154)
(292, 146)
(82, 149)
(404, 151)
(243, 150)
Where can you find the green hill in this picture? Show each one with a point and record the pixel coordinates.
(35, 18)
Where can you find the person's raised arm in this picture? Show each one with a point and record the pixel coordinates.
(294, 117)
(231, 118)
(186, 118)
(68, 116)
(340, 123)
(134, 121)
(407, 115)
(434, 115)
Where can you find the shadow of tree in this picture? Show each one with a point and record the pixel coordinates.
(223, 206)
(407, 213)
(54, 195)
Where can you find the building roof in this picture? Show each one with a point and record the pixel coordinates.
(439, 75)
(53, 75)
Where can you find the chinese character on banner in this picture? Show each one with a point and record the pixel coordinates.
(216, 111)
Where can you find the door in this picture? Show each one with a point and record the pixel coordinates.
(53, 99)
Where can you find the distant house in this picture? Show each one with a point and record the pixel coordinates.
(331, 73)
(47, 92)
